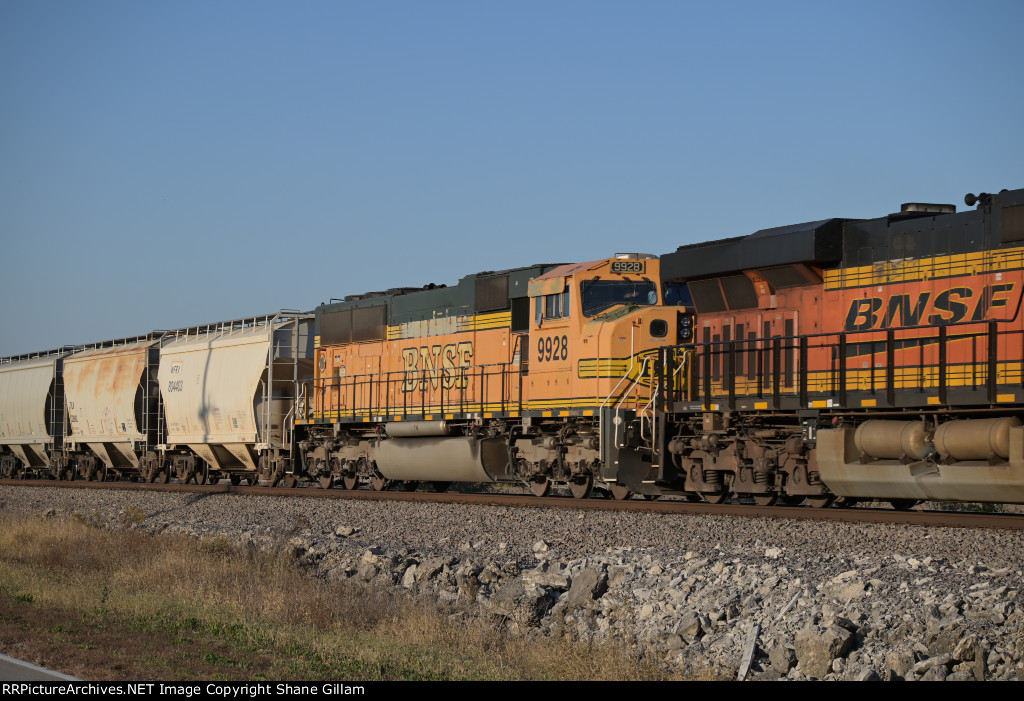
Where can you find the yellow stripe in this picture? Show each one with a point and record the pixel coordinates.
(959, 375)
(561, 403)
(1004, 397)
(869, 402)
(476, 322)
(887, 272)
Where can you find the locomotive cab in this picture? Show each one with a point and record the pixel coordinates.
(594, 335)
(596, 325)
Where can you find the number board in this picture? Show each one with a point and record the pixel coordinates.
(627, 266)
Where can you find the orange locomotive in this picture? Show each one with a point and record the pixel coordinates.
(855, 358)
(507, 376)
(844, 358)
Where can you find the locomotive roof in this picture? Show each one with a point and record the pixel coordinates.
(914, 231)
(569, 269)
(818, 242)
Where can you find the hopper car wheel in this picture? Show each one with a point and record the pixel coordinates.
(252, 481)
(820, 502)
(326, 482)
(235, 480)
(440, 487)
(583, 488)
(200, 477)
(766, 499)
(621, 492)
(290, 481)
(379, 484)
(902, 504)
(350, 482)
(719, 497)
(540, 487)
(163, 477)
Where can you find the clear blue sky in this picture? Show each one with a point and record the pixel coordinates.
(164, 164)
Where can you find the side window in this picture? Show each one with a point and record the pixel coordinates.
(556, 306)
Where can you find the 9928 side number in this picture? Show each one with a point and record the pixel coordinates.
(552, 348)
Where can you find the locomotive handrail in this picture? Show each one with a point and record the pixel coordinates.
(883, 374)
(372, 385)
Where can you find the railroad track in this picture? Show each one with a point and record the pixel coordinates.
(855, 514)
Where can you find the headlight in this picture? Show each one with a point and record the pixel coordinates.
(685, 332)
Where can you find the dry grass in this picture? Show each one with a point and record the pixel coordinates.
(121, 604)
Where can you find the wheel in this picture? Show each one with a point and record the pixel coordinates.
(583, 488)
(715, 497)
(620, 491)
(201, 477)
(791, 500)
(441, 486)
(766, 499)
(163, 477)
(379, 484)
(235, 479)
(350, 482)
(541, 488)
(820, 502)
(290, 481)
(903, 504)
(252, 480)
(326, 482)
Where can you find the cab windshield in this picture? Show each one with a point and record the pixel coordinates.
(677, 294)
(600, 295)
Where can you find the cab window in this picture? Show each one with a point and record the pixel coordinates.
(551, 306)
(677, 294)
(601, 295)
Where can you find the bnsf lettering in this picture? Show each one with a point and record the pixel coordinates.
(428, 364)
(947, 307)
(176, 386)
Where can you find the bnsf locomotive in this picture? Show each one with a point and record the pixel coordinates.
(840, 358)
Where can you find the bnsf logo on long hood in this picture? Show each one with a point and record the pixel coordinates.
(928, 308)
(436, 365)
